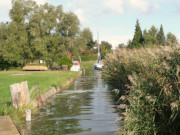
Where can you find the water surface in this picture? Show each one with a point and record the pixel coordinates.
(86, 108)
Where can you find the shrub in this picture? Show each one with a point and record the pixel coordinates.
(86, 52)
(16, 113)
(65, 61)
(89, 58)
(4, 64)
(149, 78)
(103, 54)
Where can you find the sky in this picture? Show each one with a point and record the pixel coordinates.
(115, 19)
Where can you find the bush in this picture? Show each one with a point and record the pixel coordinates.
(89, 58)
(4, 64)
(103, 54)
(16, 113)
(86, 52)
(65, 61)
(149, 78)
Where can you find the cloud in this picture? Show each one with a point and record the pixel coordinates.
(8, 3)
(5, 3)
(39, 2)
(89, 7)
(102, 7)
(142, 5)
(5, 6)
(115, 5)
(80, 13)
(177, 5)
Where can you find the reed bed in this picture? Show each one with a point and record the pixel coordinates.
(147, 81)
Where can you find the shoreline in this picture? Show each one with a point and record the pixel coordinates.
(34, 105)
(52, 91)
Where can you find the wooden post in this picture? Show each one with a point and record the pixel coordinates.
(15, 95)
(28, 115)
(39, 99)
(19, 94)
(25, 92)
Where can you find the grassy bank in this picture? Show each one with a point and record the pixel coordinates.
(89, 58)
(46, 80)
(148, 80)
(87, 64)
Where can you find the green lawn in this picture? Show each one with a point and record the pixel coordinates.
(87, 64)
(89, 58)
(46, 80)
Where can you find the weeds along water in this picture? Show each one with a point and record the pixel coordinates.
(148, 86)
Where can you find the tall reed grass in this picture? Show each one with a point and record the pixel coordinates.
(148, 80)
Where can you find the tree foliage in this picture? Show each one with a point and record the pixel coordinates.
(108, 46)
(87, 38)
(151, 37)
(121, 45)
(160, 37)
(138, 37)
(65, 61)
(105, 48)
(41, 32)
(171, 38)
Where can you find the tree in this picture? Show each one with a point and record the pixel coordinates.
(53, 33)
(146, 37)
(103, 50)
(3, 36)
(153, 35)
(14, 47)
(121, 46)
(41, 32)
(171, 38)
(17, 13)
(138, 37)
(17, 39)
(87, 38)
(54, 49)
(70, 25)
(108, 46)
(150, 36)
(129, 43)
(160, 37)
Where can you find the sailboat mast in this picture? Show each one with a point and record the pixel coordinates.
(99, 54)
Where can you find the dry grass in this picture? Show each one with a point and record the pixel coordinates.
(150, 80)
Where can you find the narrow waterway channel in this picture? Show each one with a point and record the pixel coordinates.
(86, 108)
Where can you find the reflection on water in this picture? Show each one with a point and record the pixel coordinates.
(86, 108)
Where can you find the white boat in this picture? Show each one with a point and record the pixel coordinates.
(76, 66)
(98, 66)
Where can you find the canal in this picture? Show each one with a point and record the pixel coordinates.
(85, 108)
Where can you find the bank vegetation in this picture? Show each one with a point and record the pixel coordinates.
(147, 82)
